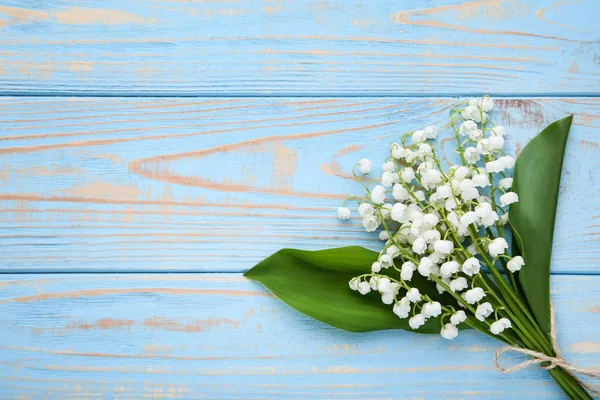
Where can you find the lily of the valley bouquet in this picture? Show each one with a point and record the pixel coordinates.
(464, 246)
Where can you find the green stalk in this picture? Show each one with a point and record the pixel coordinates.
(520, 309)
(569, 385)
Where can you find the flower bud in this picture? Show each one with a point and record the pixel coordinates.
(365, 165)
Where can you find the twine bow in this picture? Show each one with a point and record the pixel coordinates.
(553, 361)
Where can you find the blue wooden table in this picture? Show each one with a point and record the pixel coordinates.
(151, 151)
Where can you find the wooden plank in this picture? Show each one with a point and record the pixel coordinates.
(284, 47)
(188, 336)
(218, 184)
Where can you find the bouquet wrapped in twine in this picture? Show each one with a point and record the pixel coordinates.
(447, 262)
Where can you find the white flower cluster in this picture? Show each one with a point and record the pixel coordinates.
(444, 224)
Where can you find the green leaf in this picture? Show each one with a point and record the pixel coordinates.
(316, 284)
(536, 181)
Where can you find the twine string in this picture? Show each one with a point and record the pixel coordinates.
(552, 361)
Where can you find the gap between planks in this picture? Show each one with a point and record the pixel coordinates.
(250, 95)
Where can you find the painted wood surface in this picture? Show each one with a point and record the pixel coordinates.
(218, 184)
(187, 336)
(285, 47)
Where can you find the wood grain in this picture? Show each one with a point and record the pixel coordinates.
(188, 336)
(218, 184)
(284, 47)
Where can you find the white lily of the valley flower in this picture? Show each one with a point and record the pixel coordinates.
(471, 266)
(483, 147)
(475, 135)
(515, 264)
(417, 321)
(443, 246)
(413, 295)
(508, 198)
(371, 223)
(487, 216)
(406, 273)
(481, 180)
(431, 178)
(472, 249)
(494, 166)
(472, 113)
(386, 261)
(450, 204)
(398, 211)
(408, 174)
(431, 309)
(471, 155)
(376, 267)
(467, 126)
(343, 213)
(354, 283)
(449, 331)
(393, 251)
(418, 136)
(507, 161)
(449, 268)
(387, 179)
(365, 165)
(384, 285)
(470, 217)
(505, 183)
(378, 194)
(461, 173)
(458, 317)
(419, 246)
(444, 191)
(430, 132)
(483, 311)
(425, 265)
(497, 247)
(389, 166)
(402, 308)
(364, 288)
(400, 193)
(430, 220)
(473, 296)
(373, 282)
(384, 236)
(495, 143)
(486, 104)
(431, 235)
(468, 191)
(365, 209)
(388, 297)
(499, 326)
(458, 284)
(399, 152)
(498, 130)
